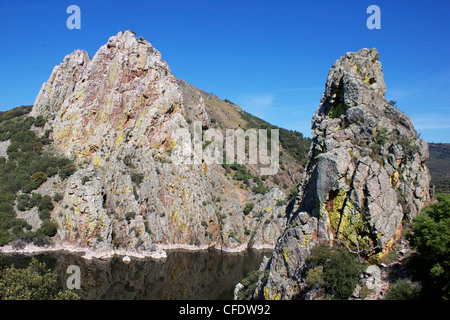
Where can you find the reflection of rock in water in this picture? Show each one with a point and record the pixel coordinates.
(184, 275)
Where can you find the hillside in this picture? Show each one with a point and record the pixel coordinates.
(103, 164)
(293, 146)
(439, 165)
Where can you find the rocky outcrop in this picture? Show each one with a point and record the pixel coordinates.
(366, 175)
(115, 114)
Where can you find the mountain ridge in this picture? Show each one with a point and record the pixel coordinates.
(114, 115)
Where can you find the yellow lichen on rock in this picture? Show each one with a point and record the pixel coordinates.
(268, 296)
(97, 161)
(334, 209)
(204, 167)
(118, 139)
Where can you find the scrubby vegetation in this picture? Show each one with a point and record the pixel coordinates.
(430, 236)
(248, 207)
(240, 173)
(14, 113)
(403, 290)
(35, 282)
(423, 274)
(292, 142)
(250, 283)
(334, 269)
(25, 168)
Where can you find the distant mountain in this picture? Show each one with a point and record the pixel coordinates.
(439, 165)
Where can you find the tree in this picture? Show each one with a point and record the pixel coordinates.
(430, 236)
(32, 283)
(336, 269)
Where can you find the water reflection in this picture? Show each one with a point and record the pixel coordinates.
(183, 275)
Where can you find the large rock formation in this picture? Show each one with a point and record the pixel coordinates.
(366, 175)
(115, 115)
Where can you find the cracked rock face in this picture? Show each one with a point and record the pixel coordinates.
(366, 175)
(115, 114)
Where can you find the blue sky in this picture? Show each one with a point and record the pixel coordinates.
(270, 57)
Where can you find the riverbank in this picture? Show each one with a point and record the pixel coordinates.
(89, 254)
(160, 253)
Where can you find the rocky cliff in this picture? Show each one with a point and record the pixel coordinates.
(366, 176)
(115, 115)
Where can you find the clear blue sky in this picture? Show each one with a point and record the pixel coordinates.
(270, 57)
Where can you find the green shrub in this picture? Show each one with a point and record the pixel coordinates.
(45, 203)
(137, 178)
(248, 207)
(34, 200)
(85, 179)
(315, 277)
(7, 207)
(40, 121)
(14, 113)
(48, 228)
(58, 197)
(32, 283)
(4, 237)
(29, 186)
(250, 282)
(51, 171)
(39, 177)
(381, 136)
(403, 290)
(67, 170)
(260, 188)
(40, 240)
(430, 236)
(23, 202)
(44, 214)
(130, 216)
(390, 257)
(340, 270)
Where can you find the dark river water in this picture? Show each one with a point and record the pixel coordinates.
(183, 275)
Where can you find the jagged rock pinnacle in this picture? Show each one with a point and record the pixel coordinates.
(116, 115)
(366, 175)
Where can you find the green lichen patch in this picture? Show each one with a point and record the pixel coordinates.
(337, 105)
(348, 223)
(334, 206)
(337, 110)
